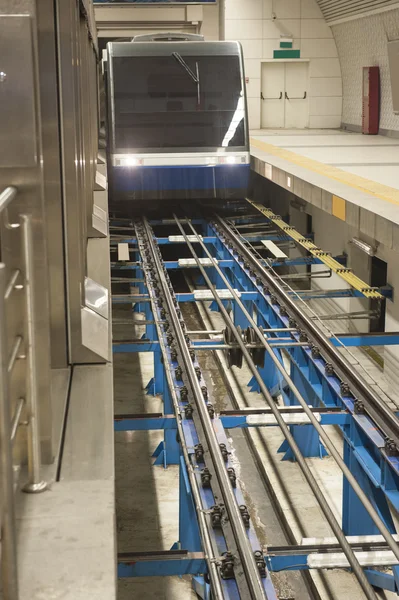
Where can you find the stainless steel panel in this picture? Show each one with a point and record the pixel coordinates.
(79, 127)
(52, 181)
(99, 221)
(29, 182)
(96, 297)
(89, 449)
(95, 333)
(17, 93)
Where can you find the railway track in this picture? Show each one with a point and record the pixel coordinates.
(232, 552)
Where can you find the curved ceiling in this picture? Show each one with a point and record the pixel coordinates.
(342, 10)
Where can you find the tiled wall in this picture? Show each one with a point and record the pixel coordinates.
(363, 43)
(252, 24)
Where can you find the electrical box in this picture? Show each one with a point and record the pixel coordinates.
(371, 100)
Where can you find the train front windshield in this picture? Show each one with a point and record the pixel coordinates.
(178, 102)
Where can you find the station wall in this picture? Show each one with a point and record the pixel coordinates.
(252, 23)
(362, 43)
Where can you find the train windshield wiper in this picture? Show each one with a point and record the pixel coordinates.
(185, 66)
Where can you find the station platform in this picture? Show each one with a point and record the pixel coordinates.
(351, 176)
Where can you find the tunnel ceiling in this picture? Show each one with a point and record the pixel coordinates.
(336, 10)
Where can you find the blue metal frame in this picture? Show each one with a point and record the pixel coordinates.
(377, 473)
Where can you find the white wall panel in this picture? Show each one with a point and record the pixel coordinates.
(253, 88)
(325, 122)
(252, 67)
(250, 9)
(318, 48)
(324, 106)
(252, 48)
(325, 86)
(261, 25)
(286, 27)
(315, 28)
(210, 23)
(287, 9)
(325, 67)
(310, 10)
(243, 29)
(254, 112)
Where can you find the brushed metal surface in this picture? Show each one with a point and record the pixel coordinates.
(50, 133)
(29, 182)
(96, 297)
(89, 438)
(95, 333)
(17, 93)
(79, 131)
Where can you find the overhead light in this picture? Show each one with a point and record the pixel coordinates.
(364, 246)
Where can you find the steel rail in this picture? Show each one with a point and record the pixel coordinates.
(210, 558)
(323, 435)
(250, 568)
(381, 414)
(259, 462)
(326, 440)
(324, 505)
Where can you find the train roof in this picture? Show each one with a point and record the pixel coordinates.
(185, 48)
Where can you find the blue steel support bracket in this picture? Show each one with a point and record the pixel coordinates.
(189, 534)
(184, 564)
(156, 422)
(168, 451)
(299, 562)
(322, 387)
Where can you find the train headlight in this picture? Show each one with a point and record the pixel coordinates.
(131, 162)
(231, 160)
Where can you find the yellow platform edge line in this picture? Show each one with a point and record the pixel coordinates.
(347, 275)
(373, 188)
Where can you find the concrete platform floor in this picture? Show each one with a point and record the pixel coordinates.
(374, 157)
(146, 496)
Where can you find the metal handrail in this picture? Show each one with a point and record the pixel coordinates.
(6, 197)
(9, 423)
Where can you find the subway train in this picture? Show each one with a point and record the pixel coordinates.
(177, 120)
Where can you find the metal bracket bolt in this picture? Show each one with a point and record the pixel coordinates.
(179, 373)
(329, 370)
(391, 448)
(315, 352)
(260, 563)
(359, 407)
(216, 513)
(232, 476)
(199, 452)
(345, 389)
(224, 452)
(227, 566)
(206, 478)
(245, 515)
(188, 411)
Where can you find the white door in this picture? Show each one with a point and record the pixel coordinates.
(272, 95)
(284, 95)
(296, 95)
